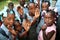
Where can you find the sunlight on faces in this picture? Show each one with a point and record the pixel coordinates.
(20, 10)
(45, 6)
(9, 19)
(31, 8)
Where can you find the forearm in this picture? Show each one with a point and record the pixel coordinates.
(34, 21)
(23, 34)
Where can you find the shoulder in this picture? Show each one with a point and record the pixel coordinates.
(2, 37)
(50, 29)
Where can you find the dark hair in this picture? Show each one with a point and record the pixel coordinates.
(8, 12)
(30, 3)
(18, 8)
(52, 12)
(46, 2)
(10, 4)
(16, 21)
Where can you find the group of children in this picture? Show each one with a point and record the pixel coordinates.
(27, 22)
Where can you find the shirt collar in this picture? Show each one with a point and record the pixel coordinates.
(5, 29)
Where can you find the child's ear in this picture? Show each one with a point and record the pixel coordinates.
(3, 18)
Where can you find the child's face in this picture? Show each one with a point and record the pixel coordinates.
(32, 9)
(18, 26)
(11, 7)
(20, 11)
(9, 20)
(44, 6)
(48, 18)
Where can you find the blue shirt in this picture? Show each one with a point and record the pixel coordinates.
(58, 6)
(2, 37)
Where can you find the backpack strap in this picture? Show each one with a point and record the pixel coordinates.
(3, 33)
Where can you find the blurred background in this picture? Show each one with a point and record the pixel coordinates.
(5, 3)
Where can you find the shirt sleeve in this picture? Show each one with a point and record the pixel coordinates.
(3, 37)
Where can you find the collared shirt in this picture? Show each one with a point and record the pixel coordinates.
(7, 33)
(5, 29)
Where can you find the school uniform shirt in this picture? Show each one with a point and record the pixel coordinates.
(49, 29)
(25, 9)
(2, 37)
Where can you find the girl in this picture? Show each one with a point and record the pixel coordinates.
(45, 6)
(48, 30)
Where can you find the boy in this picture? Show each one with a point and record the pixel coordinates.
(33, 16)
(23, 5)
(6, 30)
(21, 14)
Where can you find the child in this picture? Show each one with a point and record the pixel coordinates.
(45, 5)
(22, 3)
(8, 9)
(33, 16)
(6, 31)
(21, 13)
(18, 28)
(48, 30)
(10, 6)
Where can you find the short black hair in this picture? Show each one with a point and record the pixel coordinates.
(52, 12)
(16, 21)
(10, 4)
(30, 3)
(46, 2)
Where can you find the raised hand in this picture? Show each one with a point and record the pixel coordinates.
(26, 25)
(37, 13)
(11, 30)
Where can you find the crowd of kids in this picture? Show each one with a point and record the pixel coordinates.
(29, 21)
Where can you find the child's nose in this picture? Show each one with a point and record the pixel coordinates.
(47, 20)
(11, 21)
